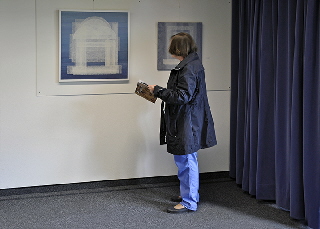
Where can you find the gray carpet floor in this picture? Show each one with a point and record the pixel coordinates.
(222, 205)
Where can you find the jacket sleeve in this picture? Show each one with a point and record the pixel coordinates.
(184, 91)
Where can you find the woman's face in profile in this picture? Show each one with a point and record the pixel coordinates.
(177, 57)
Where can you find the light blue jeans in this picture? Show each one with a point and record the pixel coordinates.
(188, 174)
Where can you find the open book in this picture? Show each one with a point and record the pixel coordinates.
(143, 91)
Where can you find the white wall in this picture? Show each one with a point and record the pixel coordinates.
(50, 138)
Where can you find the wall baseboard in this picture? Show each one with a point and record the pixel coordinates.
(204, 177)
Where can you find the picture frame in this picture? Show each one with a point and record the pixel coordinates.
(93, 45)
(167, 29)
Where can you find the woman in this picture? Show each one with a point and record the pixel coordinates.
(186, 120)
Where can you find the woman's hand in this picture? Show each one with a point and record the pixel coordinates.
(151, 88)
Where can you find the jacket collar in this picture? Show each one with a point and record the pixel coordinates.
(191, 57)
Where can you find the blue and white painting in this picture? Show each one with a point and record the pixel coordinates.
(168, 29)
(93, 45)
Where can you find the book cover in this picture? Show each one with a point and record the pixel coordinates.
(143, 91)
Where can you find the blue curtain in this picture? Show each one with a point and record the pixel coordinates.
(275, 103)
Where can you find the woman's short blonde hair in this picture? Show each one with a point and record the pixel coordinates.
(182, 44)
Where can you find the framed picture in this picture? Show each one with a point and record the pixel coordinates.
(165, 31)
(94, 45)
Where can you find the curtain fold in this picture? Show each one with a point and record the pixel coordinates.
(275, 103)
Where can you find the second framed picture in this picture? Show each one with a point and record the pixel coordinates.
(165, 31)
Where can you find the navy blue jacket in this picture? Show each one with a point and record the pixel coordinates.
(186, 120)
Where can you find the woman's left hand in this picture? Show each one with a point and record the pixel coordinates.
(151, 88)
